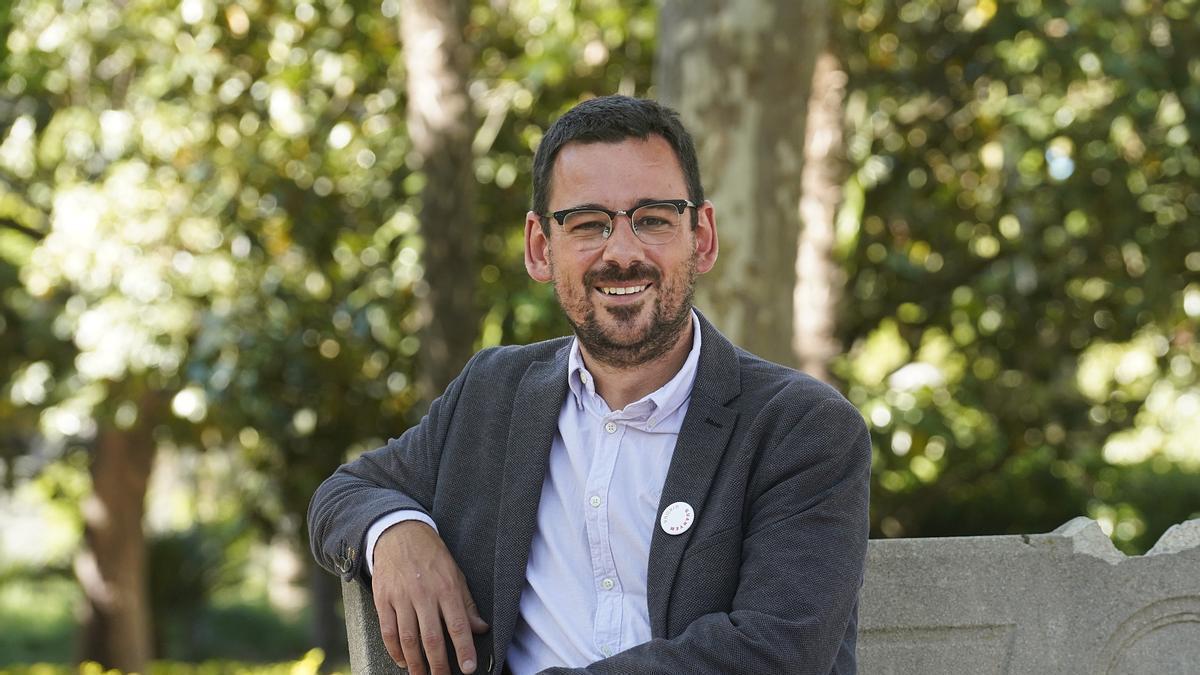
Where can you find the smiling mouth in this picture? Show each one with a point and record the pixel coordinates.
(622, 290)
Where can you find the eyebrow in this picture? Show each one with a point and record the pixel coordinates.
(639, 203)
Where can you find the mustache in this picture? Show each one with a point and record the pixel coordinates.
(614, 273)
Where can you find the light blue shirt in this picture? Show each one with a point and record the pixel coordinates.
(585, 583)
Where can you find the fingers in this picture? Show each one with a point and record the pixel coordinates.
(419, 589)
(390, 630)
(478, 625)
(411, 638)
(403, 633)
(431, 639)
(459, 627)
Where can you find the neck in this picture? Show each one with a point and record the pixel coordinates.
(619, 386)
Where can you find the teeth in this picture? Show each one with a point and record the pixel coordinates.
(623, 291)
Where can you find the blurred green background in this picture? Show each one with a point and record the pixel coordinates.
(219, 278)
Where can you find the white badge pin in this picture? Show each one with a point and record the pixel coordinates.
(677, 518)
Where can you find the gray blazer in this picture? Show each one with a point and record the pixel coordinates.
(775, 463)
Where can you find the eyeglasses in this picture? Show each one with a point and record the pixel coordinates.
(653, 223)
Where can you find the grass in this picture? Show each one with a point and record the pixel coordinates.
(38, 635)
(309, 664)
(37, 622)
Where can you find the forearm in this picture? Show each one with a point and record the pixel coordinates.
(401, 475)
(341, 512)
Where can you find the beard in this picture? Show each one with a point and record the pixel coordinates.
(669, 315)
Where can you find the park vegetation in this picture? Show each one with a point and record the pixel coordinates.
(244, 240)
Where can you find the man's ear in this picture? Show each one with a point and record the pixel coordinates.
(537, 249)
(705, 236)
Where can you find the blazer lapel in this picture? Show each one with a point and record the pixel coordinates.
(701, 445)
(536, 407)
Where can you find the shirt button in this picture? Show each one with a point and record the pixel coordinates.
(610, 428)
(594, 501)
(583, 377)
(606, 651)
(607, 584)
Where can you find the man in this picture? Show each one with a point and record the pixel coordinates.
(643, 497)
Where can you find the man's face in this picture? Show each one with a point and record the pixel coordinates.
(627, 300)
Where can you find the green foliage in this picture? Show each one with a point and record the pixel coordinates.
(188, 571)
(310, 664)
(1023, 229)
(215, 201)
(228, 210)
(35, 617)
(37, 622)
(250, 631)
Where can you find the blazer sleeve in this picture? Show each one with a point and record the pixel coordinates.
(401, 475)
(802, 557)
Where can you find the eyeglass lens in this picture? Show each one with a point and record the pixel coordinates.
(652, 223)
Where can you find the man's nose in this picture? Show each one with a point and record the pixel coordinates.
(623, 246)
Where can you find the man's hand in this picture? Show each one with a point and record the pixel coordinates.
(419, 589)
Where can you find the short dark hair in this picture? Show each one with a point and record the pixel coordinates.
(611, 119)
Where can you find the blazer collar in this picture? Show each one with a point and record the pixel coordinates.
(536, 406)
(719, 375)
(705, 435)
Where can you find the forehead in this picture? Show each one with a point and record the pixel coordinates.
(616, 174)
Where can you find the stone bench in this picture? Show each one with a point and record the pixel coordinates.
(1064, 602)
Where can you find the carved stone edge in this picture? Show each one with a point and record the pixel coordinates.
(1178, 538)
(1088, 539)
(1085, 536)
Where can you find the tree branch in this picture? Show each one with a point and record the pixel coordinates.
(9, 223)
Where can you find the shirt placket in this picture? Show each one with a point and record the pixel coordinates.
(607, 585)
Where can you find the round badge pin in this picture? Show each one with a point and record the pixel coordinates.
(677, 518)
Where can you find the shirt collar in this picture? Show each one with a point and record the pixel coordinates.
(662, 402)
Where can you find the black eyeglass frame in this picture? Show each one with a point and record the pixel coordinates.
(561, 216)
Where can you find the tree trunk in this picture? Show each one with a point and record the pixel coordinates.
(441, 126)
(112, 568)
(740, 72)
(818, 278)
